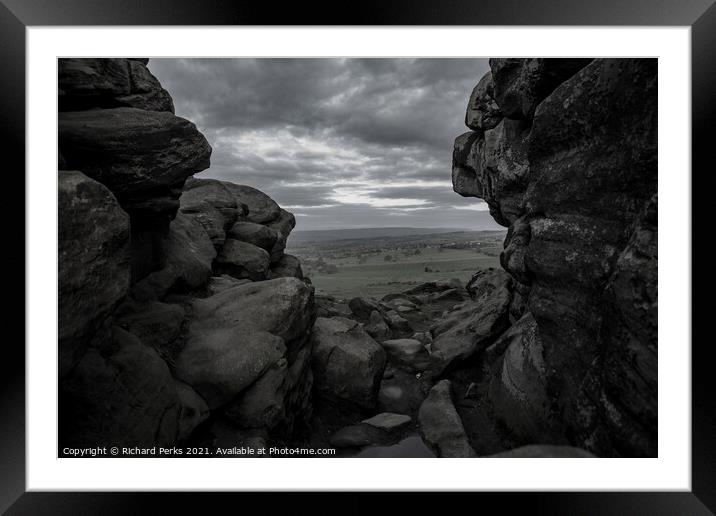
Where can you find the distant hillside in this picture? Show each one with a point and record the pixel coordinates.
(326, 235)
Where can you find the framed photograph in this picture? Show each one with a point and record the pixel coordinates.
(414, 248)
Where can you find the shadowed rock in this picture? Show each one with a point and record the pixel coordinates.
(188, 264)
(94, 267)
(123, 397)
(192, 410)
(243, 260)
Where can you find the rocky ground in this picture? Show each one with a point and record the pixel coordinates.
(183, 321)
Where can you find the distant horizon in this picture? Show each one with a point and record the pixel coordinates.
(451, 228)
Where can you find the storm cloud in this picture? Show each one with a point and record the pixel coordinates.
(339, 142)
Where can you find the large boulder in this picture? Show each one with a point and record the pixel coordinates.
(93, 257)
(519, 85)
(86, 83)
(143, 157)
(189, 254)
(211, 204)
(253, 233)
(287, 267)
(475, 325)
(347, 363)
(125, 396)
(241, 333)
(441, 426)
(242, 260)
(280, 398)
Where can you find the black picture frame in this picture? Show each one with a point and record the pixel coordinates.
(17, 15)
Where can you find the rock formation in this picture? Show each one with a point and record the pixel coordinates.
(168, 315)
(564, 152)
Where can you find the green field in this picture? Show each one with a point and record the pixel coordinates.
(377, 277)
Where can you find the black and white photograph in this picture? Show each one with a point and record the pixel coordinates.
(357, 257)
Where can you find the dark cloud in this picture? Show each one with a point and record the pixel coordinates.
(341, 142)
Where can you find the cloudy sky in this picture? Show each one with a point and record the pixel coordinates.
(341, 143)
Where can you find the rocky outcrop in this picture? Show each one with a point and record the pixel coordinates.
(347, 363)
(166, 315)
(571, 169)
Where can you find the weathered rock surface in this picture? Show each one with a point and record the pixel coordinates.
(87, 83)
(210, 203)
(287, 267)
(440, 424)
(388, 421)
(94, 261)
(347, 363)
(243, 260)
(143, 157)
(236, 336)
(519, 85)
(474, 326)
(253, 233)
(483, 113)
(126, 399)
(572, 171)
(518, 390)
(261, 208)
(224, 282)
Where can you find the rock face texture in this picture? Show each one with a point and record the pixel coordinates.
(347, 363)
(564, 152)
(94, 262)
(167, 316)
